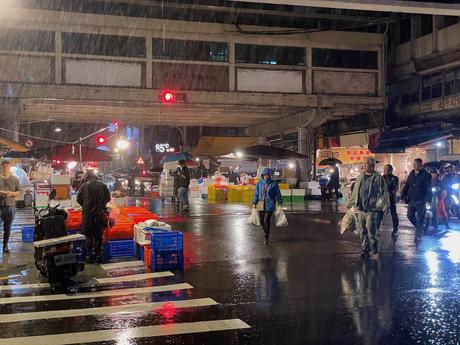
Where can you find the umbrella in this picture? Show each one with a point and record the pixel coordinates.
(269, 152)
(68, 153)
(177, 156)
(330, 161)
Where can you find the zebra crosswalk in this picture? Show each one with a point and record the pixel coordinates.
(160, 306)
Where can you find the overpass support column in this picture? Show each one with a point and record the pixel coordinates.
(307, 137)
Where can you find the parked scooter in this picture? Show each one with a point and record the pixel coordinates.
(58, 256)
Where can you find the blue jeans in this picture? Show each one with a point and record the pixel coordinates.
(182, 194)
(7, 214)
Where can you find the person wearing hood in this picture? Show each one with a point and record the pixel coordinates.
(369, 197)
(266, 194)
(93, 196)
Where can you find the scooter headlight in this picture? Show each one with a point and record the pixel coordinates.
(428, 206)
(456, 186)
(433, 190)
(455, 199)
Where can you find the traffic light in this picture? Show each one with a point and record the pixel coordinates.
(101, 139)
(167, 97)
(144, 172)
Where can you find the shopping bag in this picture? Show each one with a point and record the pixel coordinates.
(349, 221)
(280, 218)
(254, 218)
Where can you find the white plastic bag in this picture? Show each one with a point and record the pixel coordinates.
(254, 218)
(349, 221)
(280, 218)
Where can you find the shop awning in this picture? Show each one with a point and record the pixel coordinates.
(9, 145)
(397, 140)
(219, 146)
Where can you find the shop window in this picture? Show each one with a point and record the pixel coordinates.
(415, 97)
(359, 59)
(169, 49)
(426, 25)
(26, 40)
(269, 55)
(105, 45)
(449, 82)
(436, 87)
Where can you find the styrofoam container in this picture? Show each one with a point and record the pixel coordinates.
(298, 192)
(286, 192)
(60, 179)
(140, 235)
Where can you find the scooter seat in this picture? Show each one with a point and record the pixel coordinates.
(59, 240)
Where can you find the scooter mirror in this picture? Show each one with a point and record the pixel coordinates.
(53, 194)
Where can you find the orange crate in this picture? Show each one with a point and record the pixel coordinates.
(121, 233)
(139, 218)
(62, 191)
(148, 255)
(133, 210)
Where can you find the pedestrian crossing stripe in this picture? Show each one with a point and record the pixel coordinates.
(95, 294)
(120, 309)
(129, 333)
(134, 277)
(123, 264)
(24, 286)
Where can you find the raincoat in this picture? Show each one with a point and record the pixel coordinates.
(379, 200)
(268, 191)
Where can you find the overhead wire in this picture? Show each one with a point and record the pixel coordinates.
(34, 137)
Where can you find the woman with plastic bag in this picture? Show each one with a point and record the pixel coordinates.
(266, 196)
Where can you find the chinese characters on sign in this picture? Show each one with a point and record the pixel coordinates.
(345, 155)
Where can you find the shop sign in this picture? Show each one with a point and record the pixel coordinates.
(448, 103)
(344, 154)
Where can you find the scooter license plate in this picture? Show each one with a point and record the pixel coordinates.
(64, 259)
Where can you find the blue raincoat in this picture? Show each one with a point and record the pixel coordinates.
(271, 190)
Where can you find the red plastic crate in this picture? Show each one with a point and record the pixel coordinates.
(139, 218)
(121, 233)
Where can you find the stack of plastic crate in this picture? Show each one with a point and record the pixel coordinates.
(119, 238)
(74, 221)
(167, 251)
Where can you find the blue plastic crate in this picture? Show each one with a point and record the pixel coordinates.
(28, 234)
(169, 240)
(117, 249)
(167, 260)
(79, 249)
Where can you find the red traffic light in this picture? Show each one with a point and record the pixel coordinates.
(167, 97)
(144, 172)
(101, 139)
(116, 124)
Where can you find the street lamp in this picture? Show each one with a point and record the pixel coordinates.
(58, 129)
(122, 144)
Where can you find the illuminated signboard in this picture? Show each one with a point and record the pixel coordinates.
(162, 148)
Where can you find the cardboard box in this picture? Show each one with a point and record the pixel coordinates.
(62, 192)
(60, 179)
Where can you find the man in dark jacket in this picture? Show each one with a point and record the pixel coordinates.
(183, 182)
(417, 192)
(334, 182)
(392, 183)
(93, 196)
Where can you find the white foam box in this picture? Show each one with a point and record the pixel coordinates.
(286, 192)
(73, 199)
(298, 192)
(120, 202)
(60, 179)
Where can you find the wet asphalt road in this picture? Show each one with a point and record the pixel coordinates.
(308, 286)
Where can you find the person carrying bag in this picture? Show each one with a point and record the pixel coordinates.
(266, 195)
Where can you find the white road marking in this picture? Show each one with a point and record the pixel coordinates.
(123, 264)
(24, 286)
(133, 277)
(129, 333)
(121, 309)
(105, 293)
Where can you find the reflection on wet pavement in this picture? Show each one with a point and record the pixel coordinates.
(307, 287)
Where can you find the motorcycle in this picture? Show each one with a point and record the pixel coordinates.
(429, 215)
(58, 256)
(454, 208)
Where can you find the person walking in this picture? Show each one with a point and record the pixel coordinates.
(416, 193)
(334, 182)
(369, 198)
(436, 188)
(392, 183)
(266, 194)
(9, 190)
(441, 212)
(183, 182)
(93, 196)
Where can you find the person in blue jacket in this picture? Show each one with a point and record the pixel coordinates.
(266, 195)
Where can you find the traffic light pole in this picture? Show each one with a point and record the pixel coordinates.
(80, 141)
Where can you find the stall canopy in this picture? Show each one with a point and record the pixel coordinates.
(219, 146)
(176, 156)
(69, 153)
(9, 145)
(270, 152)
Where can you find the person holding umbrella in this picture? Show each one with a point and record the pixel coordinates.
(266, 194)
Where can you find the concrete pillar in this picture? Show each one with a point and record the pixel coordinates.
(58, 57)
(303, 149)
(231, 68)
(436, 25)
(415, 27)
(149, 62)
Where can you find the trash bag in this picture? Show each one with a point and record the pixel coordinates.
(349, 221)
(254, 218)
(280, 218)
